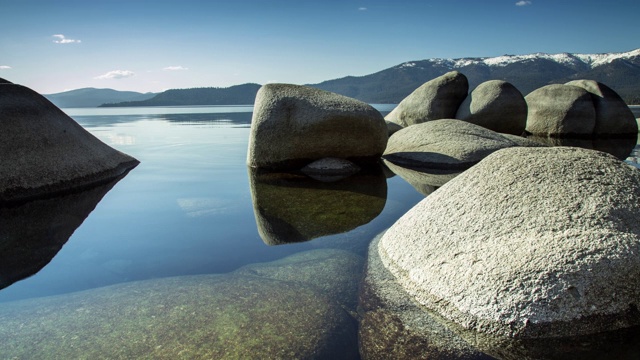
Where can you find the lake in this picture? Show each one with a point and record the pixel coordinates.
(192, 222)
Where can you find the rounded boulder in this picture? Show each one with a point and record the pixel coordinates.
(444, 144)
(496, 105)
(613, 116)
(293, 125)
(529, 243)
(45, 152)
(560, 110)
(436, 99)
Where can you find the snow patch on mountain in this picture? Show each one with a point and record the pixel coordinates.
(590, 60)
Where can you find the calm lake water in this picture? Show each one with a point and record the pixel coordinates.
(187, 209)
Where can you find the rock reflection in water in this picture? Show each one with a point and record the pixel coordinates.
(425, 181)
(31, 234)
(619, 147)
(292, 207)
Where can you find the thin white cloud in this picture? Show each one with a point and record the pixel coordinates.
(5, 67)
(523, 3)
(175, 68)
(362, 9)
(61, 39)
(116, 74)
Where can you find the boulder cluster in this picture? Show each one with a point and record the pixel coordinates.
(519, 241)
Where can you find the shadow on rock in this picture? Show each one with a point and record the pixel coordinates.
(619, 147)
(292, 207)
(424, 181)
(31, 234)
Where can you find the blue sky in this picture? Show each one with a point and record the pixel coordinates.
(53, 46)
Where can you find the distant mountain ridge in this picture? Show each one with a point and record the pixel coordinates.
(244, 94)
(620, 71)
(92, 97)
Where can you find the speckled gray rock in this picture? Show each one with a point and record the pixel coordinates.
(496, 105)
(529, 243)
(392, 326)
(436, 99)
(294, 125)
(44, 152)
(613, 116)
(443, 144)
(560, 110)
(233, 316)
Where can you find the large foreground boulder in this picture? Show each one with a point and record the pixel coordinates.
(294, 125)
(560, 110)
(529, 243)
(613, 116)
(393, 326)
(496, 105)
(266, 311)
(44, 152)
(435, 99)
(446, 144)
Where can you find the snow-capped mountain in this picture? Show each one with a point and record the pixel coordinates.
(620, 71)
(574, 60)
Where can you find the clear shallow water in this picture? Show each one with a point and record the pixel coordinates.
(186, 209)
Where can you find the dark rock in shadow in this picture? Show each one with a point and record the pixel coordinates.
(619, 147)
(32, 233)
(424, 181)
(292, 207)
(45, 153)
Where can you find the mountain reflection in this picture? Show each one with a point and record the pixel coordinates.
(291, 207)
(31, 234)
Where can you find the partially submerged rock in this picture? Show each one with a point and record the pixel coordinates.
(496, 105)
(529, 243)
(267, 313)
(293, 125)
(392, 326)
(436, 99)
(613, 116)
(444, 144)
(560, 110)
(46, 153)
(333, 272)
